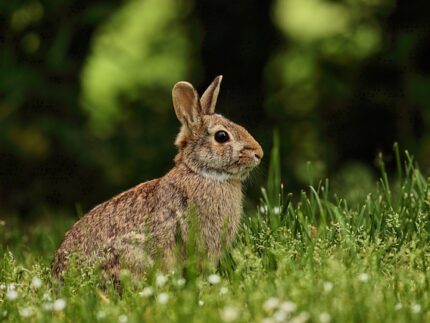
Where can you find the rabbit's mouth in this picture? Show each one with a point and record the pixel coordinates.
(242, 170)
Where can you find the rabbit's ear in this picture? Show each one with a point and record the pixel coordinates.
(186, 103)
(209, 98)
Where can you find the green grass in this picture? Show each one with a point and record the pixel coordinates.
(310, 257)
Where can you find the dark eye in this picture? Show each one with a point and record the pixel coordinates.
(221, 136)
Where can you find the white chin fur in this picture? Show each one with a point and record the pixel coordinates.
(216, 176)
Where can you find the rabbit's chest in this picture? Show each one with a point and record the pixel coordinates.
(219, 211)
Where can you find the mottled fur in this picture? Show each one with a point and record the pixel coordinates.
(130, 229)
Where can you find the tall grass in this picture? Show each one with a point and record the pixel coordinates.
(311, 257)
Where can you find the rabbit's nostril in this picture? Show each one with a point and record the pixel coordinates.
(258, 156)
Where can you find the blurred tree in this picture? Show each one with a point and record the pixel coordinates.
(136, 57)
(44, 152)
(343, 85)
(49, 156)
(85, 107)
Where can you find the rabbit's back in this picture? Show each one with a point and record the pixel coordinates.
(124, 215)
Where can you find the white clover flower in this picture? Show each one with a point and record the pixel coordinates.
(363, 277)
(146, 292)
(163, 298)
(2, 286)
(415, 308)
(47, 306)
(288, 307)
(223, 291)
(270, 304)
(122, 318)
(267, 320)
(229, 313)
(301, 318)
(160, 280)
(327, 286)
(398, 306)
(264, 209)
(12, 294)
(25, 312)
(36, 283)
(59, 304)
(325, 317)
(181, 282)
(277, 210)
(280, 316)
(214, 279)
(201, 303)
(100, 315)
(11, 286)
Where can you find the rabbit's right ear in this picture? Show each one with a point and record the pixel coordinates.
(186, 103)
(209, 98)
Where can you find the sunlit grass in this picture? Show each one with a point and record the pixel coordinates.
(301, 258)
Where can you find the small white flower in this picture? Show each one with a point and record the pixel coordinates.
(223, 291)
(301, 318)
(160, 280)
(214, 279)
(267, 320)
(47, 306)
(146, 292)
(327, 286)
(201, 303)
(100, 315)
(325, 317)
(280, 316)
(25, 312)
(181, 282)
(363, 277)
(415, 308)
(270, 304)
(264, 209)
(4, 313)
(277, 210)
(229, 313)
(163, 298)
(11, 286)
(12, 294)
(288, 307)
(59, 305)
(122, 318)
(36, 283)
(398, 306)
(2, 286)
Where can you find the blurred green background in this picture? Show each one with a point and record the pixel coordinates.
(85, 90)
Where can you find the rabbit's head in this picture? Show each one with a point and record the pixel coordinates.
(208, 143)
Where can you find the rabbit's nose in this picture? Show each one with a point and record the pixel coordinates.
(259, 152)
(256, 150)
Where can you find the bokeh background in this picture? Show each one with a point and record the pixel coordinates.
(85, 90)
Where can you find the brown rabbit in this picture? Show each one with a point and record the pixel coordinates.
(215, 156)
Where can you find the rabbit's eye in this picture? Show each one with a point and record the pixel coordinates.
(221, 136)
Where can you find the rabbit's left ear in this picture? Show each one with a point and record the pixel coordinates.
(209, 98)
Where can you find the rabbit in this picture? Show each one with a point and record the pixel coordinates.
(214, 157)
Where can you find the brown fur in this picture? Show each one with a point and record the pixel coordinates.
(130, 229)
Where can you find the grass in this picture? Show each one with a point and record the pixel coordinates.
(310, 258)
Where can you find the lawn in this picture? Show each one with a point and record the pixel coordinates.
(306, 257)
